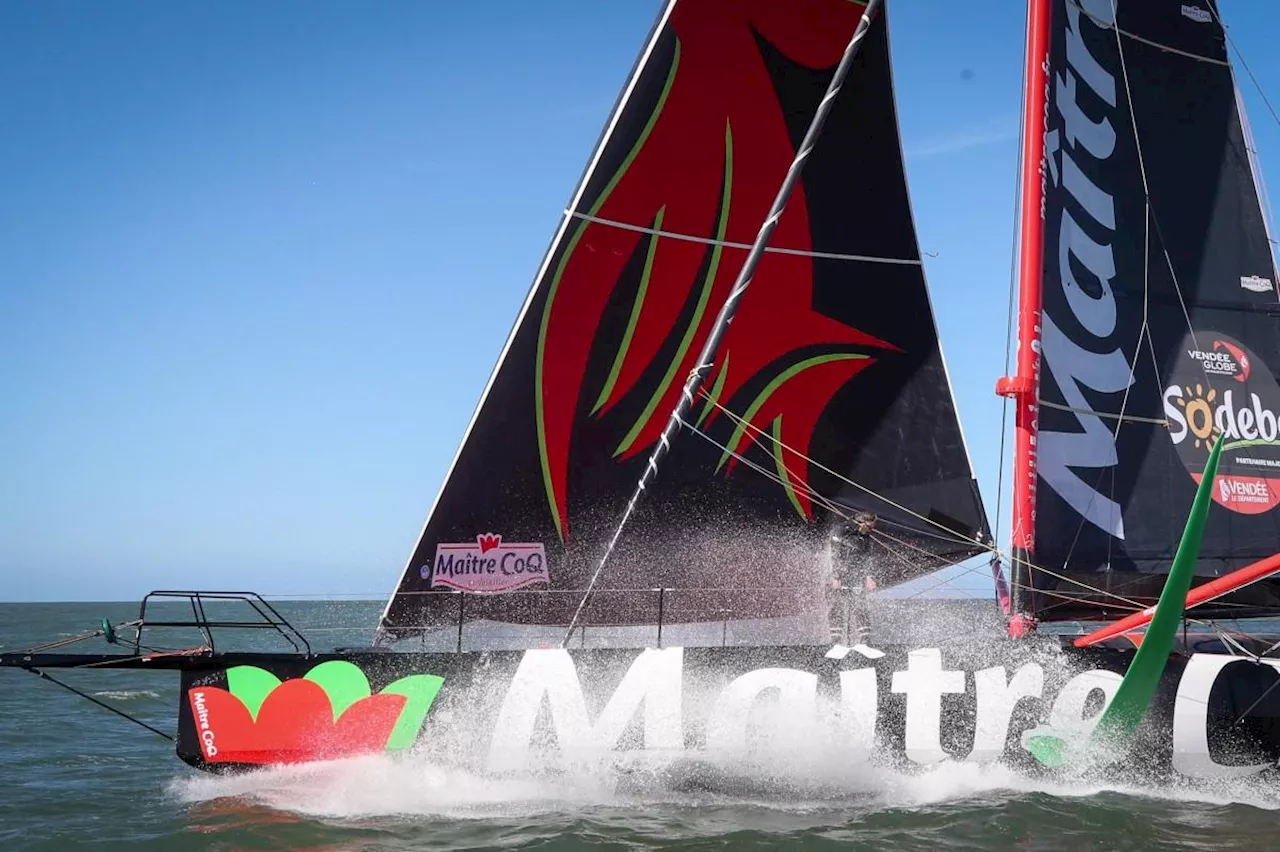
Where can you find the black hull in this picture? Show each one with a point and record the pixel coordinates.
(702, 707)
(699, 715)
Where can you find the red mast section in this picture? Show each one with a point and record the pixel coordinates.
(1024, 387)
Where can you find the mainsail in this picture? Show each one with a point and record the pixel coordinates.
(829, 385)
(1158, 325)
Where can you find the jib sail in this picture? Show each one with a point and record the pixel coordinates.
(1159, 317)
(830, 374)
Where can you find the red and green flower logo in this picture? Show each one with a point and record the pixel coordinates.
(328, 713)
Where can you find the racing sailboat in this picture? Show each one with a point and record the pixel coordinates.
(729, 351)
(1148, 317)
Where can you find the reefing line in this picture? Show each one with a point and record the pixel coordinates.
(706, 358)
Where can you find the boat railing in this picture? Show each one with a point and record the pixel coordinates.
(629, 617)
(258, 615)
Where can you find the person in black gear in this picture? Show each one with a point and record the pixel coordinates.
(853, 559)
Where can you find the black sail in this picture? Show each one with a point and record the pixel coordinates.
(1159, 324)
(831, 370)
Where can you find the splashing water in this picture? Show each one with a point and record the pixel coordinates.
(413, 787)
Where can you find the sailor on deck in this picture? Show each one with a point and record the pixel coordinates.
(852, 561)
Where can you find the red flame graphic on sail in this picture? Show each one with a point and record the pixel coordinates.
(708, 164)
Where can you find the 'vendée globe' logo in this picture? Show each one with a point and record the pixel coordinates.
(487, 565)
(1219, 387)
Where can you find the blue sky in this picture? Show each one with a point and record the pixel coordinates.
(257, 259)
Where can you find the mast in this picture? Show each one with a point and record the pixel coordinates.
(1024, 387)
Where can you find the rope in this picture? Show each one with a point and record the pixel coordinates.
(708, 241)
(1245, 65)
(71, 640)
(102, 704)
(750, 427)
(741, 284)
(756, 433)
(1011, 308)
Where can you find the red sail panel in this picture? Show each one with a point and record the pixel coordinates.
(831, 368)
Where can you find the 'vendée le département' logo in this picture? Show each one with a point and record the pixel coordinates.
(1219, 387)
(487, 565)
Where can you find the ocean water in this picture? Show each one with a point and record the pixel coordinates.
(73, 776)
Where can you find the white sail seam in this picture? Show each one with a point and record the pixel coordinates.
(1128, 418)
(824, 255)
(1107, 25)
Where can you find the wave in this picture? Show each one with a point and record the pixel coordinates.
(410, 786)
(126, 694)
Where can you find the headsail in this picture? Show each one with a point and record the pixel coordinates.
(1159, 323)
(830, 373)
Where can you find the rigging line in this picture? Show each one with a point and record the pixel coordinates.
(184, 652)
(1093, 603)
(1146, 186)
(904, 544)
(1245, 65)
(953, 538)
(1150, 219)
(1144, 328)
(816, 497)
(830, 502)
(1126, 603)
(1067, 599)
(705, 360)
(1101, 24)
(1270, 689)
(983, 546)
(1251, 155)
(1065, 578)
(895, 554)
(1011, 307)
(90, 698)
(1130, 418)
(708, 241)
(807, 489)
(972, 569)
(947, 581)
(753, 428)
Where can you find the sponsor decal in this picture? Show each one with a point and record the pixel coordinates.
(798, 711)
(1256, 283)
(1220, 387)
(488, 565)
(328, 713)
(208, 740)
(806, 724)
(1080, 330)
(1195, 13)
